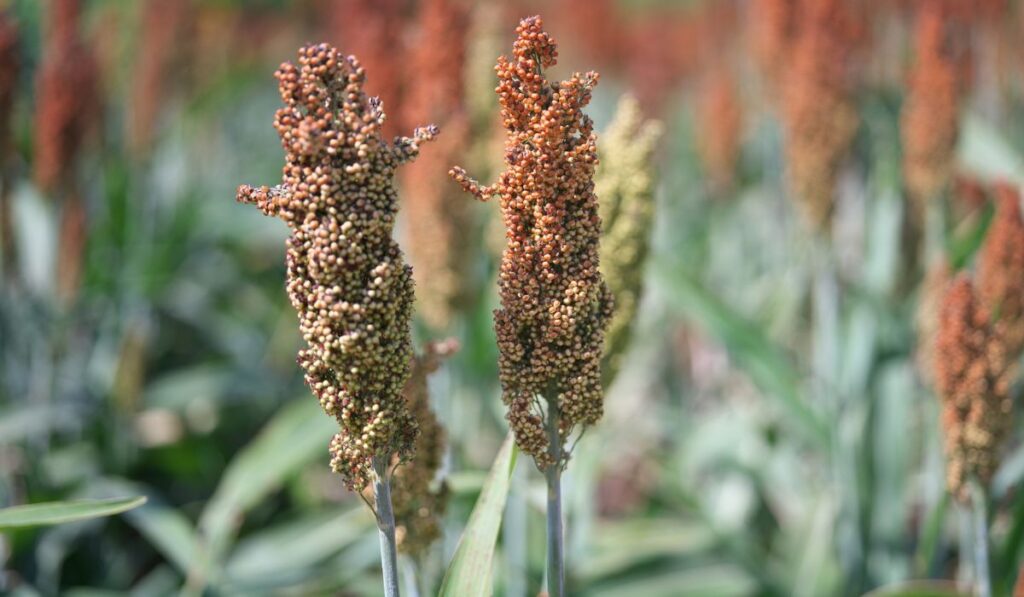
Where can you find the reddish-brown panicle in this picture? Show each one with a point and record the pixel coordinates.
(439, 222)
(161, 37)
(972, 377)
(374, 30)
(346, 276)
(772, 25)
(1001, 268)
(928, 123)
(10, 69)
(554, 304)
(720, 120)
(67, 96)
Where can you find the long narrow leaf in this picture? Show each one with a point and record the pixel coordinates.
(295, 437)
(471, 568)
(50, 513)
(765, 363)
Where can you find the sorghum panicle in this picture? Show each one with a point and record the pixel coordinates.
(664, 49)
(346, 276)
(418, 505)
(972, 378)
(773, 25)
(554, 304)
(596, 29)
(67, 96)
(819, 114)
(163, 25)
(10, 68)
(720, 119)
(1001, 268)
(928, 123)
(373, 30)
(624, 184)
(440, 220)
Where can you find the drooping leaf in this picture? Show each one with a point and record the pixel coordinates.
(50, 513)
(471, 569)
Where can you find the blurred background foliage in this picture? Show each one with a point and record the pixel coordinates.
(768, 433)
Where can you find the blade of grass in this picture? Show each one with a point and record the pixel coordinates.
(294, 437)
(471, 569)
(51, 513)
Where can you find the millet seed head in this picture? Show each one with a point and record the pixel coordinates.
(624, 183)
(345, 274)
(418, 500)
(972, 378)
(555, 305)
(1001, 269)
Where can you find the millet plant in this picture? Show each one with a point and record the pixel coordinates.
(346, 275)
(555, 305)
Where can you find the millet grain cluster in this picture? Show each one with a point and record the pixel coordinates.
(554, 304)
(346, 276)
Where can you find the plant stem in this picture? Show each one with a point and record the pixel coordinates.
(553, 474)
(386, 525)
(978, 509)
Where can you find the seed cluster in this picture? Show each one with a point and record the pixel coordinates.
(773, 28)
(163, 26)
(554, 304)
(972, 376)
(930, 113)
(418, 504)
(346, 276)
(440, 222)
(10, 67)
(624, 184)
(67, 96)
(372, 30)
(819, 114)
(1001, 269)
(720, 118)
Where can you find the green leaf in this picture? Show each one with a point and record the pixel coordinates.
(985, 152)
(707, 580)
(289, 550)
(50, 513)
(296, 436)
(765, 363)
(168, 530)
(470, 571)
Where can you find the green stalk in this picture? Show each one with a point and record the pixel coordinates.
(386, 525)
(982, 578)
(553, 474)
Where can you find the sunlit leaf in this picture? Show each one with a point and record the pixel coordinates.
(471, 569)
(50, 513)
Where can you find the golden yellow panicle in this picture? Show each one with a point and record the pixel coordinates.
(554, 303)
(346, 276)
(624, 184)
